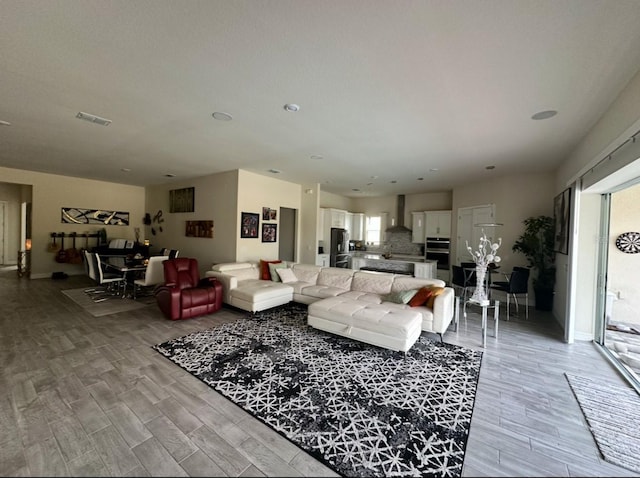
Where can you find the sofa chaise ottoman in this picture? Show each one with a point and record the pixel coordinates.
(384, 324)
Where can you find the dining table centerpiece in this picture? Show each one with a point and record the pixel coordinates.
(483, 257)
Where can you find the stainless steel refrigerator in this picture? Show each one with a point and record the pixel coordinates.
(339, 255)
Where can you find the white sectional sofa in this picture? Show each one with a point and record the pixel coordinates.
(343, 301)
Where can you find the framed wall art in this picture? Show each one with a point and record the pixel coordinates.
(269, 214)
(199, 229)
(269, 232)
(182, 200)
(561, 208)
(74, 215)
(249, 225)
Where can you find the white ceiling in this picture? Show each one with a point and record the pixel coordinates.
(387, 88)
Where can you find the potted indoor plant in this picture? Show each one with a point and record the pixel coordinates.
(536, 243)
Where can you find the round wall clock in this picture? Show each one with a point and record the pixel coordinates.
(629, 242)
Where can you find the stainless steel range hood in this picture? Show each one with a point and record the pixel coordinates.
(399, 227)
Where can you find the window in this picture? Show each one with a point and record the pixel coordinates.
(373, 229)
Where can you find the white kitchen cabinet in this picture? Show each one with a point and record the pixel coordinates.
(357, 227)
(417, 227)
(348, 223)
(424, 270)
(338, 217)
(322, 260)
(357, 262)
(437, 223)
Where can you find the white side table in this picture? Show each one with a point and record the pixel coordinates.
(485, 304)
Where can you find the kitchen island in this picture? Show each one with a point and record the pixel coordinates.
(397, 263)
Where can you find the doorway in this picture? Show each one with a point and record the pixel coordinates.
(287, 241)
(617, 323)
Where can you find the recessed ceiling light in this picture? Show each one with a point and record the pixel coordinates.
(544, 115)
(222, 116)
(125, 170)
(291, 107)
(4, 123)
(274, 171)
(169, 175)
(433, 170)
(369, 184)
(374, 177)
(490, 167)
(355, 189)
(316, 156)
(420, 179)
(393, 181)
(93, 119)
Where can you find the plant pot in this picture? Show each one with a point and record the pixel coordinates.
(544, 298)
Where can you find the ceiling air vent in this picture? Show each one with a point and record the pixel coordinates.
(93, 119)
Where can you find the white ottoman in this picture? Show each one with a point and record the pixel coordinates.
(385, 325)
(256, 295)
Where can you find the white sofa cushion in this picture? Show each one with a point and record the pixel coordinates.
(407, 283)
(379, 318)
(322, 291)
(363, 296)
(372, 282)
(335, 277)
(231, 266)
(256, 290)
(306, 272)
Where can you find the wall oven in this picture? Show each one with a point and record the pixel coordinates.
(438, 249)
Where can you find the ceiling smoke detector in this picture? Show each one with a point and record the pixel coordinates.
(93, 119)
(291, 107)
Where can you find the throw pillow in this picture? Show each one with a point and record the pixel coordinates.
(400, 296)
(264, 269)
(435, 292)
(421, 297)
(272, 270)
(287, 275)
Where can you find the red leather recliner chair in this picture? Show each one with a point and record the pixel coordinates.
(184, 294)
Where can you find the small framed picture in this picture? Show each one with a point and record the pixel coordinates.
(249, 225)
(265, 213)
(561, 208)
(273, 214)
(269, 232)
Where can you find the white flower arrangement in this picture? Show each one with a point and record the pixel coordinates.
(487, 252)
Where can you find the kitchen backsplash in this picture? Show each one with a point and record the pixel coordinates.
(399, 243)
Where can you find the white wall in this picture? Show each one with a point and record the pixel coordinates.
(53, 192)
(516, 198)
(618, 123)
(255, 192)
(308, 221)
(215, 199)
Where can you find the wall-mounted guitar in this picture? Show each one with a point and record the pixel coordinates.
(61, 256)
(53, 246)
(73, 255)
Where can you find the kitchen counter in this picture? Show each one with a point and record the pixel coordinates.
(398, 263)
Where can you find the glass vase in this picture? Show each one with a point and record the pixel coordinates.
(480, 292)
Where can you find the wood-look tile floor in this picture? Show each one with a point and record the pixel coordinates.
(87, 396)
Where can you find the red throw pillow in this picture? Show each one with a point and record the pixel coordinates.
(421, 297)
(265, 274)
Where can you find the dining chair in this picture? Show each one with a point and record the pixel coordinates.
(463, 279)
(152, 276)
(517, 284)
(107, 279)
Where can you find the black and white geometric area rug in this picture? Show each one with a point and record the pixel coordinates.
(360, 409)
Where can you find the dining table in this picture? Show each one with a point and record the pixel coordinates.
(126, 267)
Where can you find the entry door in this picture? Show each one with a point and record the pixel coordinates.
(467, 231)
